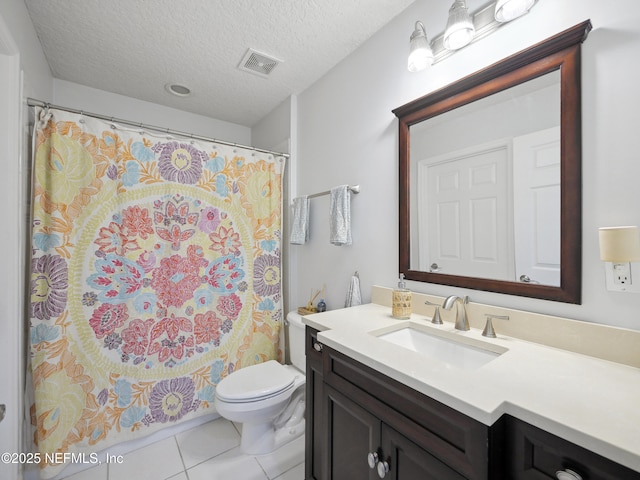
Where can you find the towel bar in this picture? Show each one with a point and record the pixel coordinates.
(353, 188)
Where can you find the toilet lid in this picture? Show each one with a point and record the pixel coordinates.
(255, 382)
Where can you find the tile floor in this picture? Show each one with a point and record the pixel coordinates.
(208, 452)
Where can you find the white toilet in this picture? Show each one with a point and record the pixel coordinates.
(268, 398)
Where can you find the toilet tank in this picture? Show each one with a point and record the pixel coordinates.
(296, 340)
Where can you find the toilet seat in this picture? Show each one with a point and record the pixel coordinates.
(256, 383)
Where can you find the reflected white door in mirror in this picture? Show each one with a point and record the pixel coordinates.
(464, 213)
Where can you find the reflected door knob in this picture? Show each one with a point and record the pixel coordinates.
(383, 468)
(525, 279)
(567, 474)
(372, 460)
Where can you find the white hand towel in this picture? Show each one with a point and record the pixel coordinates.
(340, 215)
(354, 297)
(300, 221)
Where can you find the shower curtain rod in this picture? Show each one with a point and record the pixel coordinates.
(39, 103)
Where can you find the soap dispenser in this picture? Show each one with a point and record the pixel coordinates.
(401, 301)
(321, 306)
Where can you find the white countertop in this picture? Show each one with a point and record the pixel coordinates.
(591, 402)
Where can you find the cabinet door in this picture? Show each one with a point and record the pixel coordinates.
(533, 454)
(408, 461)
(353, 434)
(314, 420)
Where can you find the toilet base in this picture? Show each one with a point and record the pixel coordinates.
(260, 439)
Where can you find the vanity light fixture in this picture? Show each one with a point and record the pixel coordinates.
(420, 53)
(619, 246)
(460, 29)
(507, 10)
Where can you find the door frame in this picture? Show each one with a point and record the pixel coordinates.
(11, 241)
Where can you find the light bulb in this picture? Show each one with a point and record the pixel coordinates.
(420, 53)
(507, 10)
(460, 29)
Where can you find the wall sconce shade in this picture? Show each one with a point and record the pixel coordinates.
(507, 10)
(420, 53)
(460, 29)
(619, 244)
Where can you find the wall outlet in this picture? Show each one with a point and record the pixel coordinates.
(620, 277)
(622, 274)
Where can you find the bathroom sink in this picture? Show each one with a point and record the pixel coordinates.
(447, 347)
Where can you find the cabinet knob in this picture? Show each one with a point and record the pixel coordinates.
(317, 346)
(567, 474)
(383, 469)
(372, 460)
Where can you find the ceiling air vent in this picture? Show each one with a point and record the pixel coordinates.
(258, 63)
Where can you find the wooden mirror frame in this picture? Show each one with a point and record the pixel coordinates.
(560, 52)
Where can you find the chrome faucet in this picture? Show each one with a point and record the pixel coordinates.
(462, 323)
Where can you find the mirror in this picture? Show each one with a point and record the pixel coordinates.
(490, 176)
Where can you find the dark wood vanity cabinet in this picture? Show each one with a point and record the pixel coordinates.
(357, 417)
(533, 454)
(364, 425)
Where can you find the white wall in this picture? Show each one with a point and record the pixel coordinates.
(274, 130)
(37, 75)
(80, 97)
(347, 134)
(24, 72)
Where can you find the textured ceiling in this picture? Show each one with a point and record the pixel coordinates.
(135, 47)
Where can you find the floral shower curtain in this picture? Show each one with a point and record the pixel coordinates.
(155, 273)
